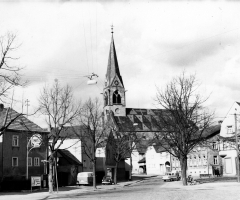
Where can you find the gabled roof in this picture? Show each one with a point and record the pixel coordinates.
(69, 157)
(17, 121)
(112, 68)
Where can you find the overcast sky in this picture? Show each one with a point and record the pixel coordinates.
(155, 41)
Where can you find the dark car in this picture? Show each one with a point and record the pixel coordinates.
(107, 180)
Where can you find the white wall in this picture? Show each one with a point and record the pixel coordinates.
(135, 159)
(230, 153)
(155, 162)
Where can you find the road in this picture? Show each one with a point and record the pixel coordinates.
(149, 189)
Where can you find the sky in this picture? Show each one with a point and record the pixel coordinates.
(155, 41)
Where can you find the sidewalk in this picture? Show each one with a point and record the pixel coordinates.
(44, 194)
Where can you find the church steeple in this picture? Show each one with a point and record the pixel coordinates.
(114, 91)
(112, 68)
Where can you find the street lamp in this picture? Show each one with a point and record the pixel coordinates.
(35, 141)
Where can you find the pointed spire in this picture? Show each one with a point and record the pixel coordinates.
(112, 69)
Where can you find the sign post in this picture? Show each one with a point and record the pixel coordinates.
(35, 182)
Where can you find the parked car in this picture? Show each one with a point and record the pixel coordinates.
(107, 180)
(171, 176)
(85, 178)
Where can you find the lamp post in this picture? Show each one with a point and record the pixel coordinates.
(35, 141)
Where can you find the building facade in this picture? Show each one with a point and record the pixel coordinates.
(228, 140)
(16, 147)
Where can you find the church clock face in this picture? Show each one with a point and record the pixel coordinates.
(116, 82)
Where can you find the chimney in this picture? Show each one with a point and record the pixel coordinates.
(1, 107)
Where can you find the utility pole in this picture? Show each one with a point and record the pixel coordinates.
(237, 151)
(27, 104)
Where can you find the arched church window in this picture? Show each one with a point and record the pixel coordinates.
(116, 97)
(105, 99)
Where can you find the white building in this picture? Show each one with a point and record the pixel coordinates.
(227, 149)
(157, 160)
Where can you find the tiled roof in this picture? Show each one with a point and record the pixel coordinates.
(19, 121)
(141, 120)
(69, 157)
(211, 131)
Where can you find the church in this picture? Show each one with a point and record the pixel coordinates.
(126, 119)
(140, 120)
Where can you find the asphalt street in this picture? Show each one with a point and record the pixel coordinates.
(148, 189)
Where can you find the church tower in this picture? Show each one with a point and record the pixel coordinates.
(114, 91)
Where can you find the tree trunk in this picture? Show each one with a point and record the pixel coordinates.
(130, 170)
(115, 173)
(183, 161)
(50, 175)
(94, 174)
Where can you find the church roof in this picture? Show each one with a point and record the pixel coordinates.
(112, 68)
(137, 119)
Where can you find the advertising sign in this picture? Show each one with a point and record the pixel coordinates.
(36, 181)
(36, 140)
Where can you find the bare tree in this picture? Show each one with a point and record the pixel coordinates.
(183, 119)
(92, 132)
(9, 72)
(57, 104)
(122, 145)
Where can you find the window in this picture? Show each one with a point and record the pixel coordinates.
(36, 161)
(215, 160)
(14, 161)
(229, 129)
(29, 161)
(105, 99)
(215, 145)
(84, 163)
(15, 140)
(116, 97)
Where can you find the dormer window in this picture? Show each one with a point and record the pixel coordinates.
(116, 97)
